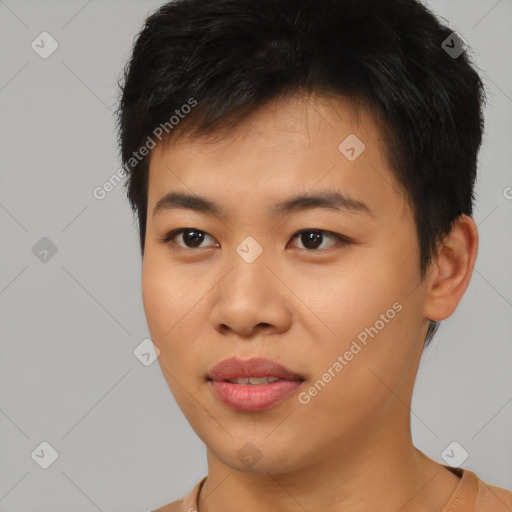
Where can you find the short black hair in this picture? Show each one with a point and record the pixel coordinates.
(199, 66)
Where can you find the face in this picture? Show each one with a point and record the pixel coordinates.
(330, 290)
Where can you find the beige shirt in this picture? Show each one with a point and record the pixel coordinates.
(471, 495)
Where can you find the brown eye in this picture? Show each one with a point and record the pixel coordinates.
(312, 239)
(190, 237)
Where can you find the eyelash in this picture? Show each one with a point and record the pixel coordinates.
(340, 238)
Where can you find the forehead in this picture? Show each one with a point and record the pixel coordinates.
(292, 145)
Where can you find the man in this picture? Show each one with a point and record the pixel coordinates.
(303, 175)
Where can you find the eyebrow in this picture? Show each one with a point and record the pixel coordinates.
(321, 199)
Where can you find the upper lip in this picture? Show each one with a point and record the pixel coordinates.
(234, 368)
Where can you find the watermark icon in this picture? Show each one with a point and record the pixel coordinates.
(249, 249)
(44, 45)
(146, 352)
(343, 360)
(507, 192)
(249, 454)
(351, 147)
(453, 45)
(44, 250)
(454, 454)
(45, 455)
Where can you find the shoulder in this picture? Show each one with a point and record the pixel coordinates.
(492, 499)
(187, 504)
(175, 506)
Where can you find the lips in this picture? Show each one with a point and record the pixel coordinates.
(253, 369)
(254, 385)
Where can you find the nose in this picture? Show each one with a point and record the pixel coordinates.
(251, 300)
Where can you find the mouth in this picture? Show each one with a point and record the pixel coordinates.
(253, 385)
(255, 371)
(253, 381)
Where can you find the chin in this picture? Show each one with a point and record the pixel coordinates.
(258, 456)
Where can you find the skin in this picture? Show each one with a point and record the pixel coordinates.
(350, 447)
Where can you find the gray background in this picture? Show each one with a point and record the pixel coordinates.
(69, 326)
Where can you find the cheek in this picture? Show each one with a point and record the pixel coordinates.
(347, 302)
(155, 298)
(161, 305)
(372, 321)
(365, 378)
(160, 295)
(172, 308)
(164, 292)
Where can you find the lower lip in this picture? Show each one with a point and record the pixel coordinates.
(254, 397)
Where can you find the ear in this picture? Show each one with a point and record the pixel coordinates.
(450, 273)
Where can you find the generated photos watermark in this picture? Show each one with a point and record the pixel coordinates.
(355, 348)
(100, 192)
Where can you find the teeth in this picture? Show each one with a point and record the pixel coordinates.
(240, 381)
(254, 380)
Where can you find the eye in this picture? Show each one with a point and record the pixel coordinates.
(313, 238)
(191, 237)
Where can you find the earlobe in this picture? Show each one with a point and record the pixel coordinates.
(452, 269)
